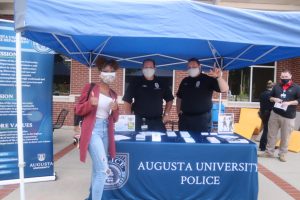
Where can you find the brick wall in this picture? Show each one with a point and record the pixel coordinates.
(80, 76)
(235, 111)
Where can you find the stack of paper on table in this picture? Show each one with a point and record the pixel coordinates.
(189, 140)
(150, 133)
(238, 140)
(186, 137)
(171, 134)
(213, 140)
(156, 137)
(184, 134)
(140, 137)
(121, 137)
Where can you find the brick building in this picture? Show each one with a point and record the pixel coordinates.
(243, 93)
(80, 75)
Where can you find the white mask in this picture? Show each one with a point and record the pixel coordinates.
(193, 72)
(148, 72)
(108, 77)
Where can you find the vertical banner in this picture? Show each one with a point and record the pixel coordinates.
(37, 73)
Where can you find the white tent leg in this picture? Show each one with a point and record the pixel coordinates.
(220, 94)
(20, 115)
(90, 74)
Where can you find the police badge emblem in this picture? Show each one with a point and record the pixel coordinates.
(119, 175)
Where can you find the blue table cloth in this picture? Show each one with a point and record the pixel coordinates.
(172, 169)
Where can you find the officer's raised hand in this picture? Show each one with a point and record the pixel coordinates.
(215, 72)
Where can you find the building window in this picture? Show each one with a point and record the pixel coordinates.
(165, 75)
(61, 75)
(247, 84)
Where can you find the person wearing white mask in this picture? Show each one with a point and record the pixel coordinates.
(148, 94)
(194, 97)
(99, 109)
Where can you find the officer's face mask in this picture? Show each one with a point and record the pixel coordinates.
(148, 72)
(193, 72)
(284, 81)
(108, 77)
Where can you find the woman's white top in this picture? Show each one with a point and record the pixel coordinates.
(103, 108)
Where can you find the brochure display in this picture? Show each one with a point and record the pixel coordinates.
(125, 123)
(225, 123)
(37, 72)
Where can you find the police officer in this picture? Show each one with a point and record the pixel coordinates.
(264, 113)
(194, 97)
(148, 93)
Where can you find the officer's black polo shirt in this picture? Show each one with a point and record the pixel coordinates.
(148, 96)
(196, 94)
(291, 94)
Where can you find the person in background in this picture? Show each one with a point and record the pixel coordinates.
(194, 97)
(264, 113)
(286, 97)
(100, 111)
(148, 93)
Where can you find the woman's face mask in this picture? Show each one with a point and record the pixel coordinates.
(193, 72)
(148, 72)
(108, 77)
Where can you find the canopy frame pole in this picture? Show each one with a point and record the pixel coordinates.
(241, 59)
(214, 51)
(19, 98)
(265, 53)
(102, 45)
(90, 69)
(220, 94)
(165, 65)
(118, 58)
(80, 52)
(249, 47)
(253, 60)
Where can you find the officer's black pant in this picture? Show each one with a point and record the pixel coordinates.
(264, 137)
(154, 124)
(195, 123)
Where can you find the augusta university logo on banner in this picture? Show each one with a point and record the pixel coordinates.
(41, 164)
(119, 167)
(41, 157)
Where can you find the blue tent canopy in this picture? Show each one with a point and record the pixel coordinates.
(170, 31)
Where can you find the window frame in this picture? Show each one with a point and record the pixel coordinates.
(251, 81)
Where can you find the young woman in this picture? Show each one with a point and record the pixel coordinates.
(98, 106)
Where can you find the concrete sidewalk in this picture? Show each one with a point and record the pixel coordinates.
(277, 180)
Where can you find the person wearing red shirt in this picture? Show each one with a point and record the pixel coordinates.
(286, 96)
